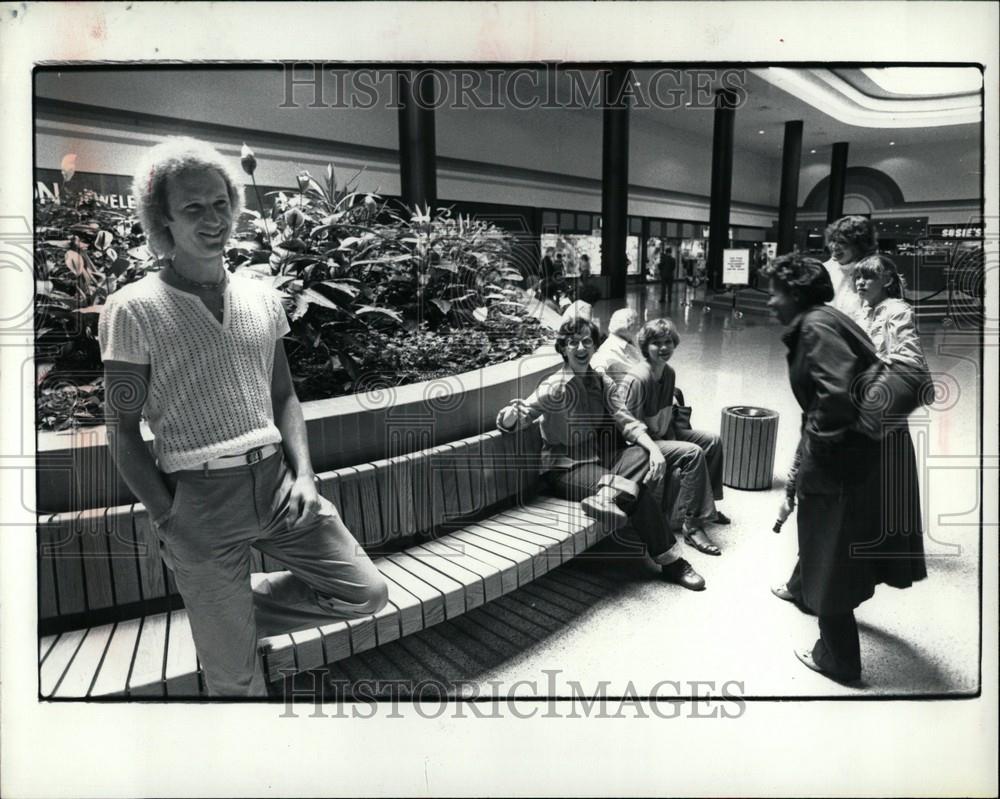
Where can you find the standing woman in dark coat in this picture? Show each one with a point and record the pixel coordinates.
(838, 481)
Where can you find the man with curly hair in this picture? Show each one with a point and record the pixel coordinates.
(200, 357)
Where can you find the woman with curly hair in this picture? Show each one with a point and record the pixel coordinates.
(849, 239)
(838, 483)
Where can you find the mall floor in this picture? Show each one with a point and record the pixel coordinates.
(606, 618)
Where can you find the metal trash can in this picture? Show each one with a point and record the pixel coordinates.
(748, 439)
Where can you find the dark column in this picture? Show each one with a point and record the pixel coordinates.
(722, 183)
(614, 177)
(838, 179)
(791, 157)
(417, 154)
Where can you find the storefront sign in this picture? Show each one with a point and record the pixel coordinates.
(736, 267)
(969, 230)
(114, 191)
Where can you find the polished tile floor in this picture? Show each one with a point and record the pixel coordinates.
(606, 618)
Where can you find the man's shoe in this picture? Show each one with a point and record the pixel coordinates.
(720, 518)
(681, 573)
(605, 511)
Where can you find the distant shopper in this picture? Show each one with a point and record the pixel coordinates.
(838, 484)
(618, 353)
(587, 289)
(584, 426)
(668, 271)
(200, 356)
(648, 389)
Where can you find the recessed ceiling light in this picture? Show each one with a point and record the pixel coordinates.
(760, 131)
(813, 152)
(892, 144)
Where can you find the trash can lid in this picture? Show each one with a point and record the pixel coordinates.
(748, 410)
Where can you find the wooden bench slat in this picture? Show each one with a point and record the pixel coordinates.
(80, 675)
(59, 658)
(467, 502)
(48, 606)
(431, 600)
(180, 672)
(96, 565)
(308, 648)
(388, 503)
(439, 503)
(112, 679)
(278, 652)
(63, 547)
(387, 624)
(411, 614)
(531, 557)
(45, 646)
(490, 574)
(335, 638)
(449, 565)
(452, 590)
(123, 555)
(421, 490)
(351, 508)
(362, 634)
(367, 481)
(146, 678)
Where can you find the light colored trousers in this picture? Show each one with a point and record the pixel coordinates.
(215, 518)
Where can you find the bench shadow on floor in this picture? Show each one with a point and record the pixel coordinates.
(438, 660)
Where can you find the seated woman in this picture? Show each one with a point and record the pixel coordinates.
(838, 483)
(584, 426)
(648, 390)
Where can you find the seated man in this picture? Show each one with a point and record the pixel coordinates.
(583, 424)
(200, 355)
(618, 353)
(648, 391)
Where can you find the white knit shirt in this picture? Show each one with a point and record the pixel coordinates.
(210, 383)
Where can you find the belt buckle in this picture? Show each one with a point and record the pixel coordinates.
(255, 456)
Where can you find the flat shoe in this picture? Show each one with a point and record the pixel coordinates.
(720, 518)
(805, 658)
(782, 592)
(706, 546)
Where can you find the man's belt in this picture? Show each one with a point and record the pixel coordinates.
(246, 459)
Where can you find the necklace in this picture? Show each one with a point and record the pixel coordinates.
(196, 284)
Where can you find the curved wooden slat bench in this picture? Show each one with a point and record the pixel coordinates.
(450, 528)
